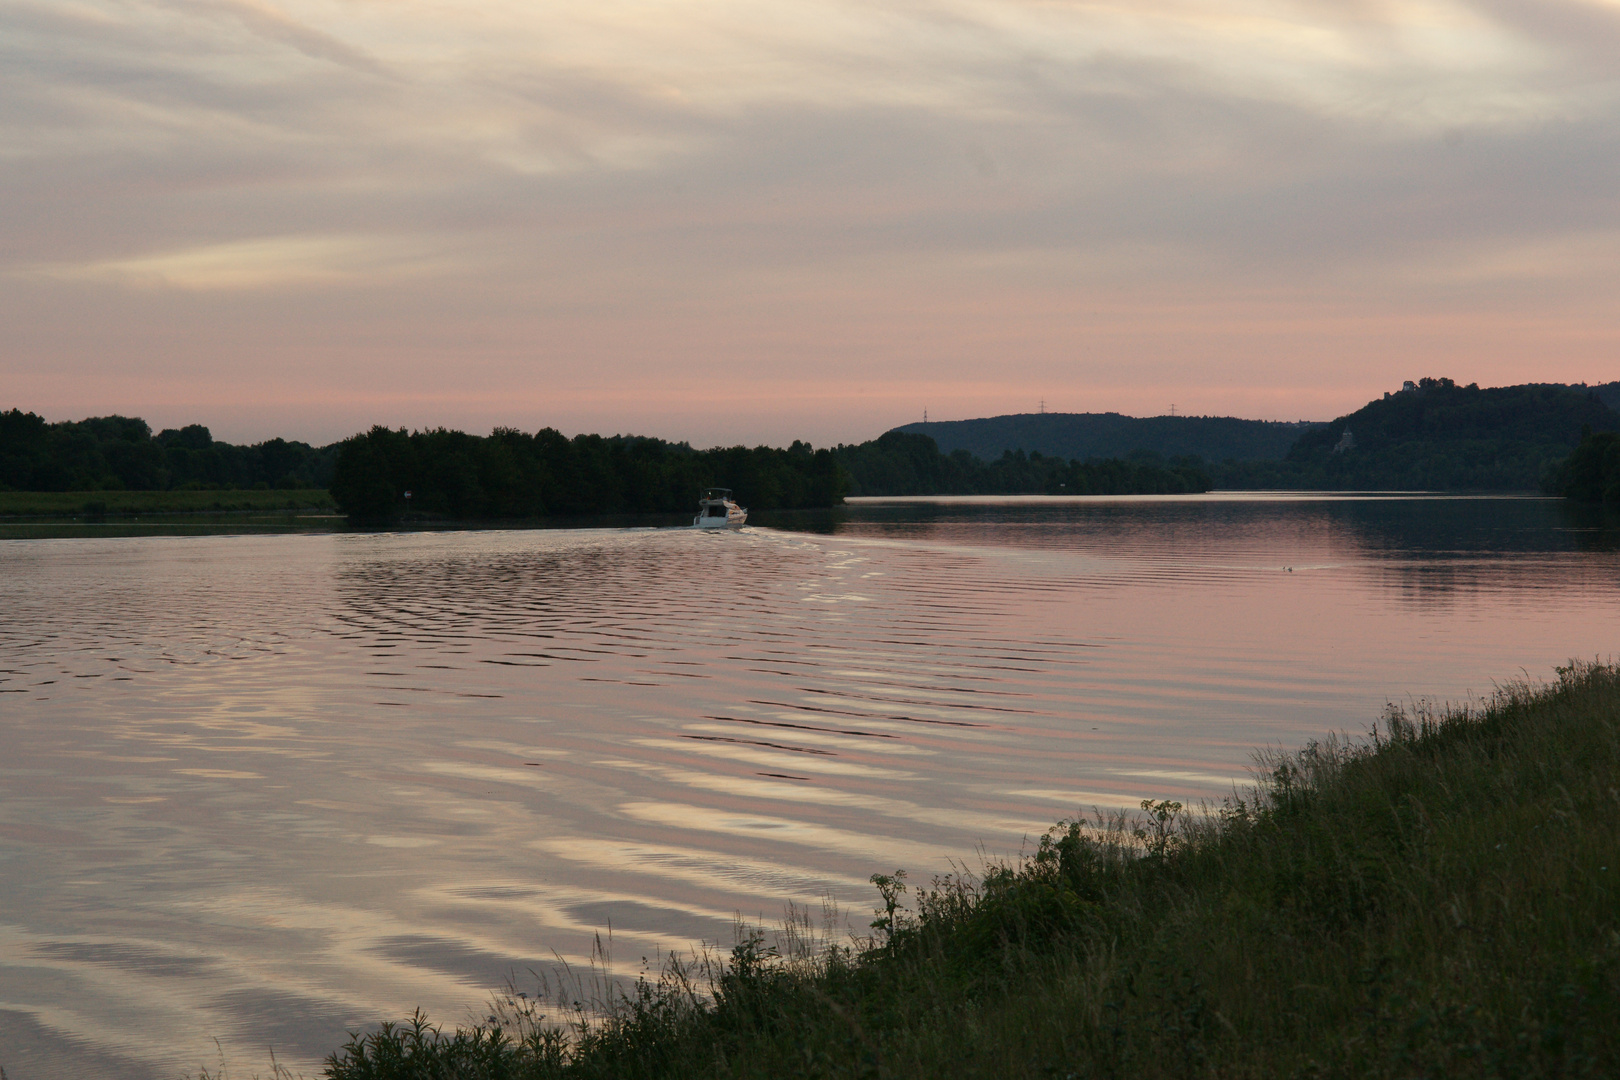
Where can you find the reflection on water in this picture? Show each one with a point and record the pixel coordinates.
(265, 788)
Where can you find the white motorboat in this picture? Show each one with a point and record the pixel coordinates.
(716, 510)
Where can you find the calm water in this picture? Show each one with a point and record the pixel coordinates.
(264, 788)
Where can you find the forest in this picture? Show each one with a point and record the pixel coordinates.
(1088, 436)
(120, 453)
(1592, 473)
(1437, 436)
(906, 463)
(509, 474)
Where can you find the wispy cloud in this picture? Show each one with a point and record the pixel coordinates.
(275, 262)
(685, 192)
(277, 25)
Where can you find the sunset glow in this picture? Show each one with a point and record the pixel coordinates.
(740, 222)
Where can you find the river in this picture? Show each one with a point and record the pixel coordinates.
(264, 789)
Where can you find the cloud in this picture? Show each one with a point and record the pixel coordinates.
(1586, 32)
(274, 24)
(268, 262)
(690, 189)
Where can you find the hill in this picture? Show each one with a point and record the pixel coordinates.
(1608, 393)
(1441, 436)
(905, 463)
(1112, 435)
(1432, 435)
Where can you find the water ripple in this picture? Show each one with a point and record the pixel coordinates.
(269, 787)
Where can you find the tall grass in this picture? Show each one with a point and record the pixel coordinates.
(1436, 900)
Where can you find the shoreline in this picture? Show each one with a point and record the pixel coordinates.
(1439, 899)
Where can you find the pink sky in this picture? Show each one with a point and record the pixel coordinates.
(734, 222)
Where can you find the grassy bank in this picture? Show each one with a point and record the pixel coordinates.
(101, 504)
(1439, 901)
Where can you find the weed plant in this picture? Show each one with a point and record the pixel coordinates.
(1436, 900)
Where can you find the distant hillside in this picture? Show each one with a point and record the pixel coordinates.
(1434, 436)
(1110, 435)
(904, 463)
(1608, 393)
(1439, 436)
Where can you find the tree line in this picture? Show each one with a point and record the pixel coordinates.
(905, 463)
(452, 475)
(120, 453)
(1592, 473)
(1100, 436)
(1436, 436)
(509, 474)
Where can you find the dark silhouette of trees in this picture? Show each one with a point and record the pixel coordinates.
(905, 463)
(1437, 437)
(120, 453)
(1591, 474)
(509, 474)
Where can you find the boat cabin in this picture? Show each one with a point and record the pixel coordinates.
(717, 509)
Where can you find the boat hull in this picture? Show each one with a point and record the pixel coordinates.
(735, 519)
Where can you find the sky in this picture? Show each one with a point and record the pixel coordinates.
(726, 221)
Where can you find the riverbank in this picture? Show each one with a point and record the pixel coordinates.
(92, 505)
(1437, 900)
(64, 519)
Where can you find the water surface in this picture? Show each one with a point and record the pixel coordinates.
(262, 789)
